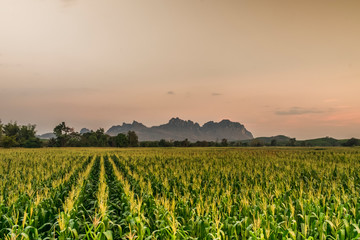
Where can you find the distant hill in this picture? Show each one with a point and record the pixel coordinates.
(84, 130)
(282, 140)
(46, 136)
(178, 129)
(279, 140)
(325, 142)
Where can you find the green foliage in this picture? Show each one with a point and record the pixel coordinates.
(133, 139)
(325, 142)
(32, 143)
(352, 142)
(256, 143)
(121, 140)
(9, 141)
(14, 135)
(273, 142)
(164, 143)
(224, 142)
(67, 137)
(292, 142)
(1, 129)
(180, 193)
(61, 130)
(11, 129)
(64, 135)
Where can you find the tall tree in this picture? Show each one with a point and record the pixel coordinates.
(292, 142)
(62, 129)
(1, 129)
(102, 139)
(224, 142)
(11, 129)
(133, 139)
(62, 133)
(27, 131)
(121, 140)
(11, 135)
(27, 137)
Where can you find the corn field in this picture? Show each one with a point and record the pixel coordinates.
(182, 193)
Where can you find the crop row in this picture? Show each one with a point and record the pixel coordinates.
(188, 194)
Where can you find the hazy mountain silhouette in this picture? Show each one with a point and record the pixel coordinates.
(46, 136)
(178, 129)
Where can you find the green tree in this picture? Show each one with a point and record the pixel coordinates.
(133, 139)
(74, 140)
(27, 131)
(27, 136)
(9, 141)
(186, 143)
(121, 140)
(17, 135)
(62, 129)
(256, 143)
(10, 135)
(352, 142)
(33, 143)
(62, 133)
(101, 138)
(165, 143)
(96, 139)
(292, 142)
(92, 140)
(1, 130)
(224, 142)
(11, 129)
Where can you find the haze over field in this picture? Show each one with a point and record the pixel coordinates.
(278, 67)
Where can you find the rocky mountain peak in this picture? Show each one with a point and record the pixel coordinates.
(137, 125)
(178, 129)
(179, 123)
(84, 130)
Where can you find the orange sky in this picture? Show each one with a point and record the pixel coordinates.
(279, 67)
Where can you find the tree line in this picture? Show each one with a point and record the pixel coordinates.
(15, 135)
(67, 137)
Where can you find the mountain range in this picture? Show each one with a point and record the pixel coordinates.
(178, 129)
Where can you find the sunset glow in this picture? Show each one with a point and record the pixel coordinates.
(278, 67)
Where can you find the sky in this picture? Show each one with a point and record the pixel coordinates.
(278, 67)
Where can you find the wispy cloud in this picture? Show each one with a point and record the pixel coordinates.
(216, 94)
(298, 111)
(171, 93)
